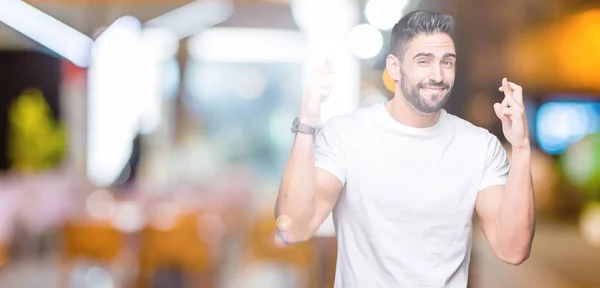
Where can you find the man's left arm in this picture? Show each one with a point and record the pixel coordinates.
(507, 212)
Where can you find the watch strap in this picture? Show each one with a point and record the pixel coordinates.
(303, 128)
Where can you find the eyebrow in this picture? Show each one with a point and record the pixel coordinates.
(449, 55)
(423, 54)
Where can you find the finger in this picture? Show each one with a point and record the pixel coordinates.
(504, 101)
(501, 112)
(505, 117)
(509, 95)
(327, 84)
(511, 114)
(511, 102)
(507, 113)
(325, 93)
(505, 87)
(322, 70)
(327, 67)
(517, 92)
(498, 110)
(325, 90)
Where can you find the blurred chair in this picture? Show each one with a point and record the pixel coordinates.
(178, 247)
(3, 254)
(93, 241)
(330, 268)
(261, 251)
(327, 260)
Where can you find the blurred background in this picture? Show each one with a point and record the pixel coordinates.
(142, 141)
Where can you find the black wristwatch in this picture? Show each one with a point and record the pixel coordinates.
(303, 128)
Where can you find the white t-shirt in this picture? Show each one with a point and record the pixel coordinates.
(404, 217)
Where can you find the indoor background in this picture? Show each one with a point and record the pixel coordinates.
(142, 141)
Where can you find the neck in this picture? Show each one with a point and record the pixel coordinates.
(406, 114)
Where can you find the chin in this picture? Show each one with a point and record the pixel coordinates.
(440, 97)
(440, 100)
(432, 108)
(428, 112)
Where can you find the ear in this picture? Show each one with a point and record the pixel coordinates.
(392, 64)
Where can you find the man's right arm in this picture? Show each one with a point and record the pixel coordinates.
(307, 193)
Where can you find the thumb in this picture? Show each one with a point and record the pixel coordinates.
(498, 110)
(503, 119)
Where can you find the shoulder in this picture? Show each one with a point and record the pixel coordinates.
(351, 119)
(479, 141)
(465, 126)
(348, 126)
(469, 129)
(489, 142)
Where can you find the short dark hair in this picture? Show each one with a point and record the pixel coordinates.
(416, 23)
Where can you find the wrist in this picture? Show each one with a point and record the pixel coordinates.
(310, 121)
(524, 147)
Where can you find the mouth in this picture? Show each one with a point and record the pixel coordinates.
(432, 89)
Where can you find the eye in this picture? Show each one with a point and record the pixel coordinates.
(423, 62)
(448, 64)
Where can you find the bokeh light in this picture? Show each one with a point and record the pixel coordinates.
(383, 14)
(373, 98)
(388, 82)
(590, 224)
(365, 41)
(581, 165)
(481, 110)
(559, 124)
(100, 205)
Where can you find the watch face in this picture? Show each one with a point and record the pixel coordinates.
(295, 125)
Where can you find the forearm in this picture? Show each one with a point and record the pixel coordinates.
(516, 221)
(296, 198)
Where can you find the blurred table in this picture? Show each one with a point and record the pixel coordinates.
(560, 258)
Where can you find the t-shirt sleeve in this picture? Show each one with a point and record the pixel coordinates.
(496, 164)
(329, 149)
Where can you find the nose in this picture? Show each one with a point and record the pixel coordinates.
(436, 74)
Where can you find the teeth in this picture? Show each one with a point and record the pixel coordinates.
(431, 90)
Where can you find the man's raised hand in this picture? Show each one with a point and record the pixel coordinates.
(318, 91)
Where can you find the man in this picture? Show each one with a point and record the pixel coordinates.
(403, 178)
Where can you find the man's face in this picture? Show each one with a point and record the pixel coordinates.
(426, 74)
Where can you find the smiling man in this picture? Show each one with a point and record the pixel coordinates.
(405, 178)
